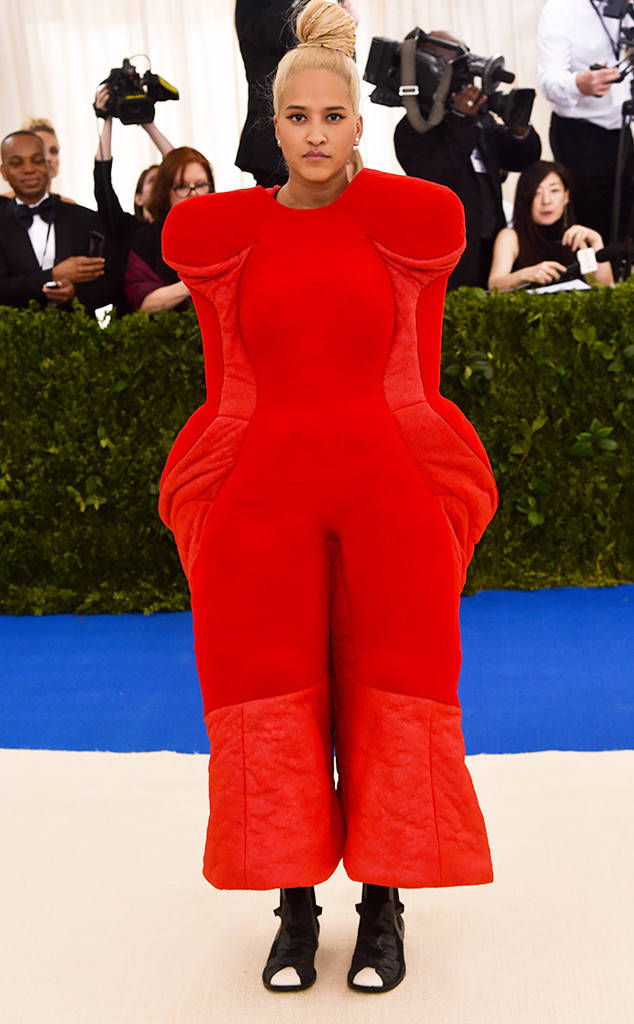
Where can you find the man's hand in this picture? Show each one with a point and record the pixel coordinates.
(79, 269)
(58, 296)
(469, 100)
(596, 83)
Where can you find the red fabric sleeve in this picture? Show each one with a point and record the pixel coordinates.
(430, 311)
(214, 372)
(427, 239)
(419, 220)
(207, 230)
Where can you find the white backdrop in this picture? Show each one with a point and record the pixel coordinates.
(53, 53)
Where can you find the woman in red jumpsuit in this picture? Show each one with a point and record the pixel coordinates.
(326, 501)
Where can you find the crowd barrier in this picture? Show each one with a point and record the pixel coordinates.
(87, 416)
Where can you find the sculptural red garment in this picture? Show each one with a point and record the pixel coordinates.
(326, 501)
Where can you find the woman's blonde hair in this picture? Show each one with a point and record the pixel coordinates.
(326, 36)
(38, 124)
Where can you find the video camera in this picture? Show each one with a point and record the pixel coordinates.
(620, 9)
(402, 71)
(132, 98)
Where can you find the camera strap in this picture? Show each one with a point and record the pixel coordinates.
(615, 46)
(409, 90)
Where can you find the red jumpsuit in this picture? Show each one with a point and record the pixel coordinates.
(326, 501)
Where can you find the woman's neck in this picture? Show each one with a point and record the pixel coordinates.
(306, 195)
(552, 232)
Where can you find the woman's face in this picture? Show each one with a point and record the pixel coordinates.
(191, 180)
(316, 125)
(549, 200)
(146, 188)
(141, 198)
(51, 145)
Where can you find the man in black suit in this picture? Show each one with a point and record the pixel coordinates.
(265, 33)
(471, 153)
(44, 239)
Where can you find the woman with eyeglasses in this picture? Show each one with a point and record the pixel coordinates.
(150, 285)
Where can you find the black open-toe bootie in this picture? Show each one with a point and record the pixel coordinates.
(296, 941)
(379, 941)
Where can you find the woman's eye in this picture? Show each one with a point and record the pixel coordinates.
(296, 117)
(337, 117)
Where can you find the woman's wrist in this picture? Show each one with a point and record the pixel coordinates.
(166, 297)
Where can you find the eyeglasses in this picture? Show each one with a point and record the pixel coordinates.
(184, 190)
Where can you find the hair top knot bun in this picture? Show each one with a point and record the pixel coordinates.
(325, 23)
(326, 36)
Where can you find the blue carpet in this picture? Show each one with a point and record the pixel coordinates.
(543, 670)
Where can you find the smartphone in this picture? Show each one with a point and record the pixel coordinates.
(51, 284)
(96, 243)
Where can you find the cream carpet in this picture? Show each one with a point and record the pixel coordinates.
(107, 920)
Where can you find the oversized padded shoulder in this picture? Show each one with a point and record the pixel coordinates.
(205, 231)
(416, 219)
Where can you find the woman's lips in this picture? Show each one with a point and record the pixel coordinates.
(315, 156)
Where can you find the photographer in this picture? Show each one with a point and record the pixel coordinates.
(119, 224)
(573, 37)
(470, 152)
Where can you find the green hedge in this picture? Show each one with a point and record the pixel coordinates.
(88, 415)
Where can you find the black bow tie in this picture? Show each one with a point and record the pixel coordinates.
(25, 214)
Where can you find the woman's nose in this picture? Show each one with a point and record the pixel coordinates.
(315, 133)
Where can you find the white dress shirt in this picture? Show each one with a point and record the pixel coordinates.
(42, 239)
(570, 38)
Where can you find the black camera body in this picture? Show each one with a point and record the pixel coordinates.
(132, 97)
(383, 70)
(618, 9)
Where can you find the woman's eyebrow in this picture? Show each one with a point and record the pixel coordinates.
(297, 106)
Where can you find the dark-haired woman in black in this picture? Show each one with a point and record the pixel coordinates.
(544, 238)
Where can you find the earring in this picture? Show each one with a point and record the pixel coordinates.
(278, 142)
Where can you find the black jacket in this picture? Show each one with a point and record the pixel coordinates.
(264, 34)
(443, 154)
(21, 278)
(120, 225)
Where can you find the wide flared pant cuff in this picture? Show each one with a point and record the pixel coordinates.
(275, 821)
(411, 812)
